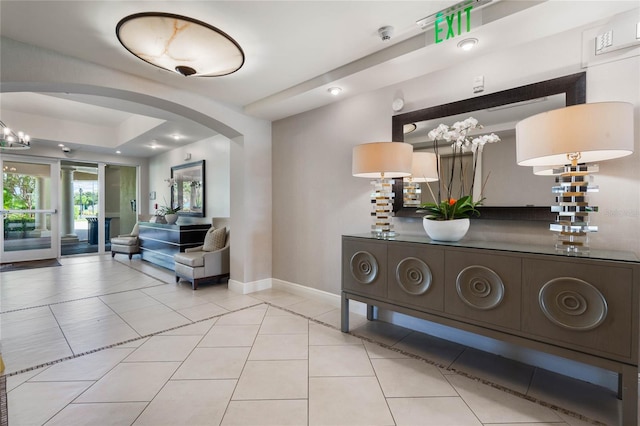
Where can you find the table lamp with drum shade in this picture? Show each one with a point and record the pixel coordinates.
(576, 136)
(382, 161)
(424, 168)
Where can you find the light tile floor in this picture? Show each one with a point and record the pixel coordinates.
(138, 349)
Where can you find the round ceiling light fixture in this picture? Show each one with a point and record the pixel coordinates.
(180, 44)
(468, 43)
(335, 91)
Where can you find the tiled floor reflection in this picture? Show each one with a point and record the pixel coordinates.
(214, 357)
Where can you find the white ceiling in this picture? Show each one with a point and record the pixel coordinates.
(294, 51)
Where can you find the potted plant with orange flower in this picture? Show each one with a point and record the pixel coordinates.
(448, 219)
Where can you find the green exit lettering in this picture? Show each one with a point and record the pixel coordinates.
(453, 24)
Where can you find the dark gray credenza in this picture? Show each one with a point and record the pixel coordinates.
(159, 242)
(583, 308)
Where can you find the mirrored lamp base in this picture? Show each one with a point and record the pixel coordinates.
(411, 193)
(572, 222)
(382, 208)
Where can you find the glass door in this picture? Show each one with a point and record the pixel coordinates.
(80, 200)
(29, 209)
(97, 202)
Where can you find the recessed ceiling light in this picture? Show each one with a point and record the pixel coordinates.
(335, 91)
(408, 128)
(468, 43)
(60, 145)
(118, 152)
(176, 137)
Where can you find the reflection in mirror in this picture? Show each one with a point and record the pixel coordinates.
(460, 184)
(187, 191)
(496, 168)
(505, 185)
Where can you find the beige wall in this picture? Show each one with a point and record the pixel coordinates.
(316, 199)
(216, 153)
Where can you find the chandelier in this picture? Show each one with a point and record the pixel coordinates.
(12, 140)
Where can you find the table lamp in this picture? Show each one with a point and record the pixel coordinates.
(382, 161)
(424, 168)
(575, 136)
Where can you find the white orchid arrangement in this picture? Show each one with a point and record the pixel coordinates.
(458, 135)
(463, 206)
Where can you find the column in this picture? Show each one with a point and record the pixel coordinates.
(41, 218)
(67, 228)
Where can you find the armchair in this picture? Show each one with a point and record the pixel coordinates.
(126, 243)
(204, 262)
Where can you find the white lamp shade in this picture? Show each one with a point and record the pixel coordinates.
(424, 167)
(598, 131)
(378, 159)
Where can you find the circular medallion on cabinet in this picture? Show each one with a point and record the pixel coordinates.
(480, 287)
(573, 304)
(413, 276)
(364, 267)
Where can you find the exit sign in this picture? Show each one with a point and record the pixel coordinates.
(453, 24)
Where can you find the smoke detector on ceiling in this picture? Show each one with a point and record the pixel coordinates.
(385, 33)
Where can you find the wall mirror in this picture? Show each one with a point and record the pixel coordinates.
(512, 191)
(187, 189)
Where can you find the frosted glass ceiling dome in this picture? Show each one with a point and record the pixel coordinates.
(180, 44)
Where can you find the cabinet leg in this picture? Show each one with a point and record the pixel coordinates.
(372, 312)
(629, 387)
(344, 314)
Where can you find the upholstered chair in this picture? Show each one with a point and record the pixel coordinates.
(206, 262)
(126, 243)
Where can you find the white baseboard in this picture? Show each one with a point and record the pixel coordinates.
(293, 288)
(320, 295)
(301, 290)
(250, 287)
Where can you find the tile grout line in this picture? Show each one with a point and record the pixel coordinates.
(181, 363)
(462, 398)
(118, 314)
(453, 369)
(26, 308)
(160, 282)
(53, 314)
(244, 365)
(91, 351)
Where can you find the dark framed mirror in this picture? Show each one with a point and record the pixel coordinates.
(188, 188)
(557, 92)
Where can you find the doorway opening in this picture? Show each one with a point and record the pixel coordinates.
(88, 204)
